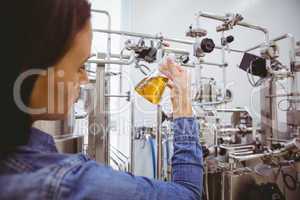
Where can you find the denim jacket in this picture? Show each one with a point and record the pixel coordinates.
(38, 171)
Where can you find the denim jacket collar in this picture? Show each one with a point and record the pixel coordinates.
(41, 141)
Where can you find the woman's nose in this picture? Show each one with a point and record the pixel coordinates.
(83, 78)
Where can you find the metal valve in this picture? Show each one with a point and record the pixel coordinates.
(196, 32)
(146, 53)
(207, 45)
(270, 52)
(230, 21)
(227, 40)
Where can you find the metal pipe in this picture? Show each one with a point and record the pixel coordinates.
(155, 37)
(113, 55)
(119, 152)
(105, 88)
(232, 110)
(99, 129)
(117, 96)
(229, 110)
(238, 147)
(293, 144)
(206, 181)
(222, 130)
(159, 156)
(108, 27)
(243, 24)
(229, 49)
(276, 140)
(188, 42)
(248, 157)
(176, 51)
(284, 95)
(282, 37)
(224, 74)
(213, 64)
(121, 57)
(223, 185)
(118, 157)
(193, 65)
(116, 62)
(215, 103)
(215, 134)
(293, 49)
(132, 135)
(242, 153)
(131, 34)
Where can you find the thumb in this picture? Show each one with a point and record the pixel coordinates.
(169, 61)
(171, 66)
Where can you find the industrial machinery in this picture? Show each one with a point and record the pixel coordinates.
(240, 156)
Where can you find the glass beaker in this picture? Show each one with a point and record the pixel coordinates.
(152, 87)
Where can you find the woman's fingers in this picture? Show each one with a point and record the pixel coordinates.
(178, 67)
(167, 74)
(169, 65)
(170, 84)
(172, 66)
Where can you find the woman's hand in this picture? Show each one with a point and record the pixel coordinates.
(179, 83)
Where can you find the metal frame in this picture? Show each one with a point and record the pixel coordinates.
(132, 136)
(154, 37)
(159, 150)
(243, 24)
(106, 13)
(100, 117)
(130, 60)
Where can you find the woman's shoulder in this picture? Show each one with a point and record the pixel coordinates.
(37, 175)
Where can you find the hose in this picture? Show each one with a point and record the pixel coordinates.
(153, 156)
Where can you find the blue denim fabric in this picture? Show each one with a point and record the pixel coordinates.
(37, 171)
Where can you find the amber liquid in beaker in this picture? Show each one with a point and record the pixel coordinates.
(152, 88)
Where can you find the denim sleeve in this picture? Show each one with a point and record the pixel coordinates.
(94, 181)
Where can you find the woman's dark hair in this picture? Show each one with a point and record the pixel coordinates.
(36, 34)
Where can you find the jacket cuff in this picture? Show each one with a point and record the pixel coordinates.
(186, 129)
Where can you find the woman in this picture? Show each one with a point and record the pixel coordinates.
(51, 40)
